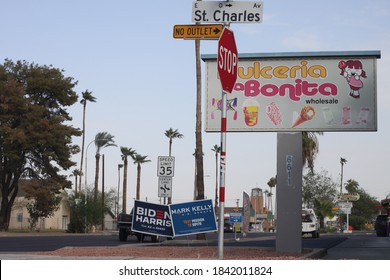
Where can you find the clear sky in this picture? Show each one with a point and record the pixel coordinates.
(144, 81)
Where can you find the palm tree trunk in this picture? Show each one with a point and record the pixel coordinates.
(97, 156)
(138, 181)
(198, 132)
(103, 192)
(82, 146)
(124, 191)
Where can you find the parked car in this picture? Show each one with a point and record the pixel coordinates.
(310, 223)
(381, 225)
(124, 222)
(228, 227)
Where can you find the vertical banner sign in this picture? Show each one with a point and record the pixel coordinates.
(150, 218)
(246, 212)
(227, 63)
(193, 217)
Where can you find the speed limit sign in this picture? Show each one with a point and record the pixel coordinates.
(165, 166)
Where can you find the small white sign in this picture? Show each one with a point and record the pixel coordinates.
(227, 12)
(164, 186)
(165, 166)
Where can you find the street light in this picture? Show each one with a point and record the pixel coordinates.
(85, 183)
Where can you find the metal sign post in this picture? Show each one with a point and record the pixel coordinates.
(227, 70)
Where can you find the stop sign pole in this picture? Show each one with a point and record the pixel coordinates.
(227, 64)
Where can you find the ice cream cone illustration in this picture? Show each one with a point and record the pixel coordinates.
(307, 113)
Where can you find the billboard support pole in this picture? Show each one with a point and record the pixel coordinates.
(222, 176)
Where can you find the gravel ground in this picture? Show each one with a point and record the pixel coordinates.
(172, 252)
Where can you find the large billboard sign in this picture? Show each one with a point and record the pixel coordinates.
(309, 91)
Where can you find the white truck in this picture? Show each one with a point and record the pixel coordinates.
(310, 223)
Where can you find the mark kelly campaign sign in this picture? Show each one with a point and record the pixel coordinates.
(305, 91)
(193, 217)
(150, 218)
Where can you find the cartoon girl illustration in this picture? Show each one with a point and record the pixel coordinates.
(352, 70)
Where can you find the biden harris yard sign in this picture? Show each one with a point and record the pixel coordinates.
(150, 218)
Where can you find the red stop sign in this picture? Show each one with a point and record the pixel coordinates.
(227, 61)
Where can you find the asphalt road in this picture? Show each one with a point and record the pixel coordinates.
(357, 245)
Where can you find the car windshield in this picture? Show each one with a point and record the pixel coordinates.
(307, 218)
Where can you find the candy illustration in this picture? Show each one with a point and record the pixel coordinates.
(273, 112)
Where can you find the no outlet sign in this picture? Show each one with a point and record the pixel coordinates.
(227, 60)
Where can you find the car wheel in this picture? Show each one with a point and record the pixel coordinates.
(122, 234)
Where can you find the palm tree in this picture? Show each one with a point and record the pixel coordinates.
(352, 186)
(198, 129)
(172, 134)
(342, 161)
(76, 173)
(217, 150)
(102, 140)
(138, 159)
(87, 97)
(309, 148)
(272, 184)
(126, 152)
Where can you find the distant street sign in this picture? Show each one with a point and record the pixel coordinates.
(349, 197)
(227, 12)
(197, 31)
(165, 166)
(235, 217)
(227, 62)
(164, 186)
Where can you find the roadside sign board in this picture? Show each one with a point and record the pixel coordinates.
(235, 217)
(197, 31)
(165, 166)
(164, 186)
(227, 61)
(227, 12)
(349, 197)
(345, 204)
(150, 218)
(304, 91)
(193, 217)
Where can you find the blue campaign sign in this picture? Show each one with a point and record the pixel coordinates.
(193, 217)
(150, 218)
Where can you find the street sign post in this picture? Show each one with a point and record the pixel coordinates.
(227, 65)
(197, 31)
(164, 186)
(227, 11)
(235, 217)
(165, 166)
